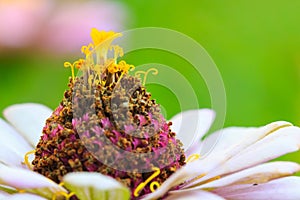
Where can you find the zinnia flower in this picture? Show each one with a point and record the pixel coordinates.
(108, 140)
(234, 169)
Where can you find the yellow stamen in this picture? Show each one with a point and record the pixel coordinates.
(192, 158)
(154, 185)
(78, 64)
(143, 184)
(21, 191)
(118, 51)
(154, 72)
(87, 49)
(68, 64)
(90, 80)
(100, 36)
(96, 62)
(26, 159)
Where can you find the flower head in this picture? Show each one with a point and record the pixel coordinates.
(89, 131)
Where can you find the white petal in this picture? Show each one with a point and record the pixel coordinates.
(24, 196)
(258, 174)
(29, 181)
(194, 195)
(11, 158)
(280, 142)
(94, 186)
(285, 188)
(3, 195)
(237, 138)
(10, 138)
(187, 172)
(191, 125)
(224, 139)
(232, 143)
(28, 119)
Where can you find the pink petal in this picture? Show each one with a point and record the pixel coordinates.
(69, 28)
(237, 138)
(11, 158)
(258, 174)
(24, 196)
(20, 21)
(280, 142)
(187, 172)
(3, 194)
(12, 140)
(194, 195)
(247, 138)
(281, 189)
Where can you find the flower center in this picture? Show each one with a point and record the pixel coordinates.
(108, 123)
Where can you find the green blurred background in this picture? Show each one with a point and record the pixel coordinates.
(255, 44)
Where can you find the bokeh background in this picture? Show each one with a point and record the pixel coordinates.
(255, 44)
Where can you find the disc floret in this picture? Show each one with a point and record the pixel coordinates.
(106, 114)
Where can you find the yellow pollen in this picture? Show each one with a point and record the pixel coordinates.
(26, 159)
(122, 66)
(79, 63)
(21, 191)
(192, 158)
(143, 184)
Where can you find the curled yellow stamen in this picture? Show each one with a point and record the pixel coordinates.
(143, 184)
(68, 64)
(154, 72)
(76, 64)
(61, 193)
(192, 158)
(87, 49)
(118, 51)
(154, 185)
(26, 159)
